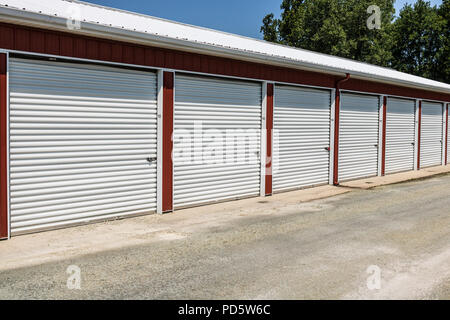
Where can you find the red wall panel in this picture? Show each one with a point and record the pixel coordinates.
(383, 157)
(127, 54)
(116, 52)
(79, 48)
(139, 56)
(3, 150)
(66, 45)
(419, 135)
(269, 138)
(167, 179)
(159, 58)
(70, 45)
(92, 50)
(6, 37)
(52, 44)
(446, 135)
(387, 89)
(105, 51)
(337, 106)
(37, 41)
(23, 38)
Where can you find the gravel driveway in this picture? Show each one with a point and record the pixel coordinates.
(263, 249)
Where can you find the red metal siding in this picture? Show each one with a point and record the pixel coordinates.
(21, 39)
(419, 135)
(66, 45)
(337, 100)
(393, 90)
(3, 150)
(167, 179)
(383, 157)
(52, 44)
(6, 37)
(446, 136)
(71, 45)
(37, 41)
(269, 135)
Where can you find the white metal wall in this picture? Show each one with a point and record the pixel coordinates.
(80, 136)
(400, 135)
(431, 135)
(206, 168)
(301, 146)
(358, 136)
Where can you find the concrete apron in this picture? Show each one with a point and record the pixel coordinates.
(396, 178)
(44, 247)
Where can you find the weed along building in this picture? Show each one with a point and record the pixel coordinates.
(107, 113)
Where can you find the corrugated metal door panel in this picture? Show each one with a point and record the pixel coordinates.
(208, 169)
(302, 122)
(431, 136)
(79, 139)
(400, 135)
(358, 136)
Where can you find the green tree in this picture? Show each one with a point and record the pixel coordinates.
(420, 40)
(336, 27)
(443, 57)
(270, 28)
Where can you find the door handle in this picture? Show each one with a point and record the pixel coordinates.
(151, 160)
(327, 149)
(375, 145)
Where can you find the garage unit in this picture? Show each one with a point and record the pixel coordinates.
(302, 138)
(431, 135)
(221, 159)
(400, 135)
(358, 136)
(80, 137)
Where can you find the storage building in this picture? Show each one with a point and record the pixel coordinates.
(107, 113)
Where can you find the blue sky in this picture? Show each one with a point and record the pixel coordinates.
(236, 16)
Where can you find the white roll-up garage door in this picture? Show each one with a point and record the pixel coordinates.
(358, 136)
(431, 135)
(302, 139)
(217, 125)
(400, 135)
(448, 134)
(80, 139)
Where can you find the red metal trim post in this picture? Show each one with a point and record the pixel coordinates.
(419, 134)
(167, 166)
(269, 135)
(383, 156)
(337, 106)
(446, 136)
(3, 149)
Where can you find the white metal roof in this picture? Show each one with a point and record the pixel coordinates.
(139, 24)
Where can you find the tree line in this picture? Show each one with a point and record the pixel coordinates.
(416, 42)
